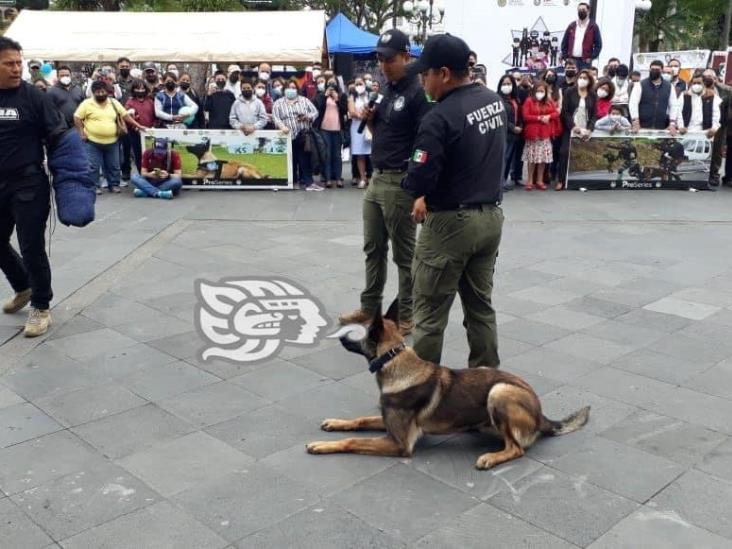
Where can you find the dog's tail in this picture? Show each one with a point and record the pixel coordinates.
(569, 424)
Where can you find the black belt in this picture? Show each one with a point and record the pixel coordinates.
(458, 207)
(30, 170)
(391, 170)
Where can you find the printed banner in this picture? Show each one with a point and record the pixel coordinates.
(689, 59)
(649, 160)
(228, 159)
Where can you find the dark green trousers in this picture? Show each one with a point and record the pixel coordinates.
(456, 252)
(387, 217)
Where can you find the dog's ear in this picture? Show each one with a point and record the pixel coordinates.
(376, 328)
(393, 312)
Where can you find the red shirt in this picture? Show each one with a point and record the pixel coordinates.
(144, 110)
(603, 107)
(150, 161)
(533, 128)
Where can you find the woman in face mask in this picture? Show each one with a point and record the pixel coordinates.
(293, 114)
(260, 92)
(539, 114)
(141, 107)
(605, 91)
(170, 101)
(332, 119)
(507, 91)
(360, 142)
(700, 109)
(554, 92)
(278, 88)
(248, 113)
(579, 114)
(185, 85)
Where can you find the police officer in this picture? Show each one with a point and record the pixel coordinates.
(393, 121)
(455, 170)
(28, 120)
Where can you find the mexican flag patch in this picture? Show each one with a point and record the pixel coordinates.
(419, 156)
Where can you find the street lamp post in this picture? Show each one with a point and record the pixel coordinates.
(423, 14)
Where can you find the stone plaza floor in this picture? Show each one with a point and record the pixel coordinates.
(114, 434)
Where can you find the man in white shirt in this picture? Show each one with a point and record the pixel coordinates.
(582, 40)
(653, 103)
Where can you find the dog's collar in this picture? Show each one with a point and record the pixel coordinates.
(379, 362)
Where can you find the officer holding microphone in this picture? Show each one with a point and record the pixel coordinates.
(455, 175)
(393, 120)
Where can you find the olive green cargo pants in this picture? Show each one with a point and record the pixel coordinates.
(456, 252)
(387, 210)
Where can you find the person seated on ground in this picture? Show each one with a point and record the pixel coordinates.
(700, 108)
(615, 122)
(169, 101)
(161, 172)
(248, 113)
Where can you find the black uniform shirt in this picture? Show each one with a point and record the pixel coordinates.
(28, 119)
(395, 123)
(459, 150)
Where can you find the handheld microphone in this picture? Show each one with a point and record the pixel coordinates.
(374, 99)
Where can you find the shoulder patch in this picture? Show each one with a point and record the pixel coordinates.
(420, 156)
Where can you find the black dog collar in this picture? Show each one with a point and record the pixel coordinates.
(378, 363)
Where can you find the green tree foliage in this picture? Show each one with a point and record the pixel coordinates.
(682, 24)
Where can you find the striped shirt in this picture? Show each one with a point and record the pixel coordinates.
(286, 112)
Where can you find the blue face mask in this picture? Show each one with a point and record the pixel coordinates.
(276, 93)
(211, 166)
(290, 93)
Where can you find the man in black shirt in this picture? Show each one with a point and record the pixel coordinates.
(393, 120)
(455, 176)
(28, 120)
(66, 95)
(218, 103)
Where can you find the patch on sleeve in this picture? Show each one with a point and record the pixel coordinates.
(419, 156)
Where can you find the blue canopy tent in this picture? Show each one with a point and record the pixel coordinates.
(345, 37)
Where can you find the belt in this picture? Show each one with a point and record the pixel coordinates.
(29, 170)
(458, 207)
(391, 170)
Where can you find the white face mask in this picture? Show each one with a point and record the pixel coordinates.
(582, 83)
(675, 71)
(316, 73)
(360, 89)
(540, 96)
(321, 86)
(264, 76)
(697, 88)
(506, 89)
(614, 117)
(666, 76)
(602, 93)
(260, 92)
(65, 80)
(368, 84)
(620, 81)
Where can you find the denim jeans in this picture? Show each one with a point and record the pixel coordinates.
(173, 183)
(333, 170)
(105, 157)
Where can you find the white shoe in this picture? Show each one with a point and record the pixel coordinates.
(104, 184)
(124, 183)
(314, 187)
(362, 184)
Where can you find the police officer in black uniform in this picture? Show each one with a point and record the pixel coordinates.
(28, 121)
(455, 174)
(393, 120)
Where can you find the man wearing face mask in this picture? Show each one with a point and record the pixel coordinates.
(218, 103)
(65, 95)
(582, 40)
(622, 89)
(169, 101)
(233, 84)
(612, 67)
(723, 137)
(247, 113)
(675, 68)
(152, 80)
(264, 75)
(570, 74)
(653, 104)
(124, 81)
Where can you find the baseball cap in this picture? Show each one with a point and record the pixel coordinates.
(149, 66)
(34, 63)
(233, 68)
(393, 42)
(442, 50)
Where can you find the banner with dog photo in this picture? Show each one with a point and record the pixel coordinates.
(648, 160)
(228, 159)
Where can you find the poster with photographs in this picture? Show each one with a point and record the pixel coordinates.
(649, 160)
(228, 159)
(690, 60)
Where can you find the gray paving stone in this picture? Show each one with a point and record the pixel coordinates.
(648, 527)
(21, 422)
(83, 405)
(626, 471)
(708, 411)
(159, 526)
(700, 499)
(660, 366)
(597, 307)
(77, 325)
(84, 499)
(223, 368)
(688, 348)
(17, 530)
(683, 308)
(365, 381)
(516, 307)
(323, 526)
(181, 305)
(422, 503)
(722, 318)
(566, 318)
(485, 526)
(43, 460)
(265, 431)
(161, 381)
(590, 348)
(626, 334)
(664, 436)
(655, 321)
(173, 466)
(279, 380)
(9, 398)
(565, 505)
(529, 331)
(550, 363)
(132, 431)
(114, 310)
(212, 403)
(334, 362)
(88, 345)
(625, 387)
(638, 293)
(181, 345)
(545, 296)
(718, 461)
(332, 401)
(8, 332)
(507, 348)
(124, 362)
(241, 503)
(156, 325)
(716, 380)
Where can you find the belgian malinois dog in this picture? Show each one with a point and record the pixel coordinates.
(421, 397)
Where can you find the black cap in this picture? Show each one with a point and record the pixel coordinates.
(393, 42)
(149, 66)
(442, 50)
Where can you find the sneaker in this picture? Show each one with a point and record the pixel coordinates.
(38, 322)
(115, 189)
(359, 316)
(99, 191)
(17, 302)
(165, 195)
(508, 186)
(406, 327)
(314, 187)
(104, 184)
(139, 193)
(362, 184)
(124, 183)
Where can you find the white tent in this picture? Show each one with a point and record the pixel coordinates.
(248, 36)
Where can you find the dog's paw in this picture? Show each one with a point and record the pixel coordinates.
(484, 463)
(316, 448)
(332, 425)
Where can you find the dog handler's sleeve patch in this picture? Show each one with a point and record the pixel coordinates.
(420, 156)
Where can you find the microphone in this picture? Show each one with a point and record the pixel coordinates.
(374, 99)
